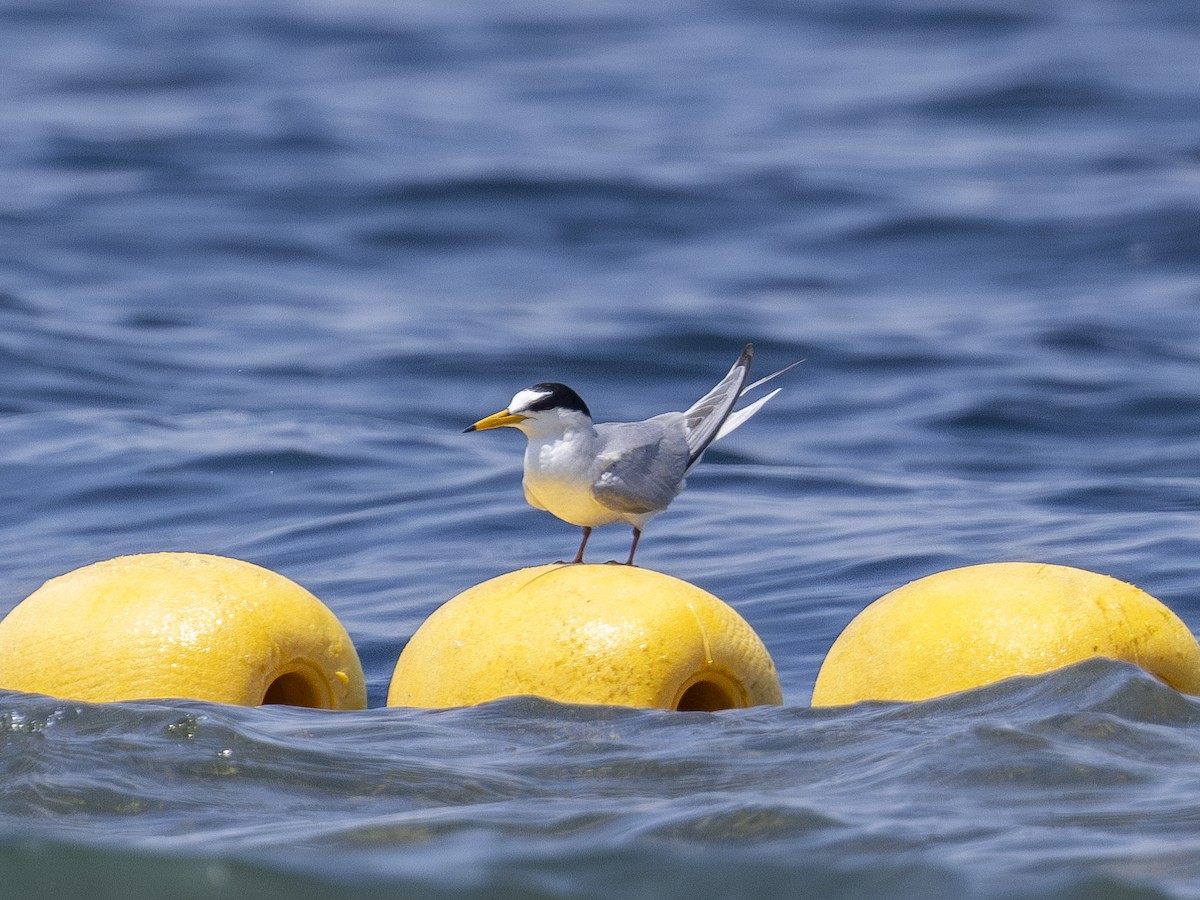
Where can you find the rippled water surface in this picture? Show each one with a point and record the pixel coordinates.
(260, 263)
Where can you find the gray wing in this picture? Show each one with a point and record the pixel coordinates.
(704, 418)
(642, 464)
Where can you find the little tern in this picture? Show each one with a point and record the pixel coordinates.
(591, 475)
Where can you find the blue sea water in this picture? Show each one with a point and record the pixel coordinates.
(261, 262)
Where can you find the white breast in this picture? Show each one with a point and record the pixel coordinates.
(559, 474)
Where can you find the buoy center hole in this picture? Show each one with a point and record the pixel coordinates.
(706, 696)
(297, 689)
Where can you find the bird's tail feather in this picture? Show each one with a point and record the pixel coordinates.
(712, 417)
(748, 388)
(738, 418)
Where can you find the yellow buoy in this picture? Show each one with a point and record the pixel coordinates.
(180, 625)
(971, 626)
(586, 634)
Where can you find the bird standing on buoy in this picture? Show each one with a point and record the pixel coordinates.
(592, 475)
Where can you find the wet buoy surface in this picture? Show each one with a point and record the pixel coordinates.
(182, 625)
(598, 634)
(971, 626)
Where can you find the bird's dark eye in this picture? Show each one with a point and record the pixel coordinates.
(557, 396)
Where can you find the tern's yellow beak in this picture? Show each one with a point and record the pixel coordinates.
(496, 420)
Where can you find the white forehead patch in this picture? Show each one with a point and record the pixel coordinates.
(526, 398)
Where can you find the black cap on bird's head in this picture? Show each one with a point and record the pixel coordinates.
(544, 397)
(551, 395)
